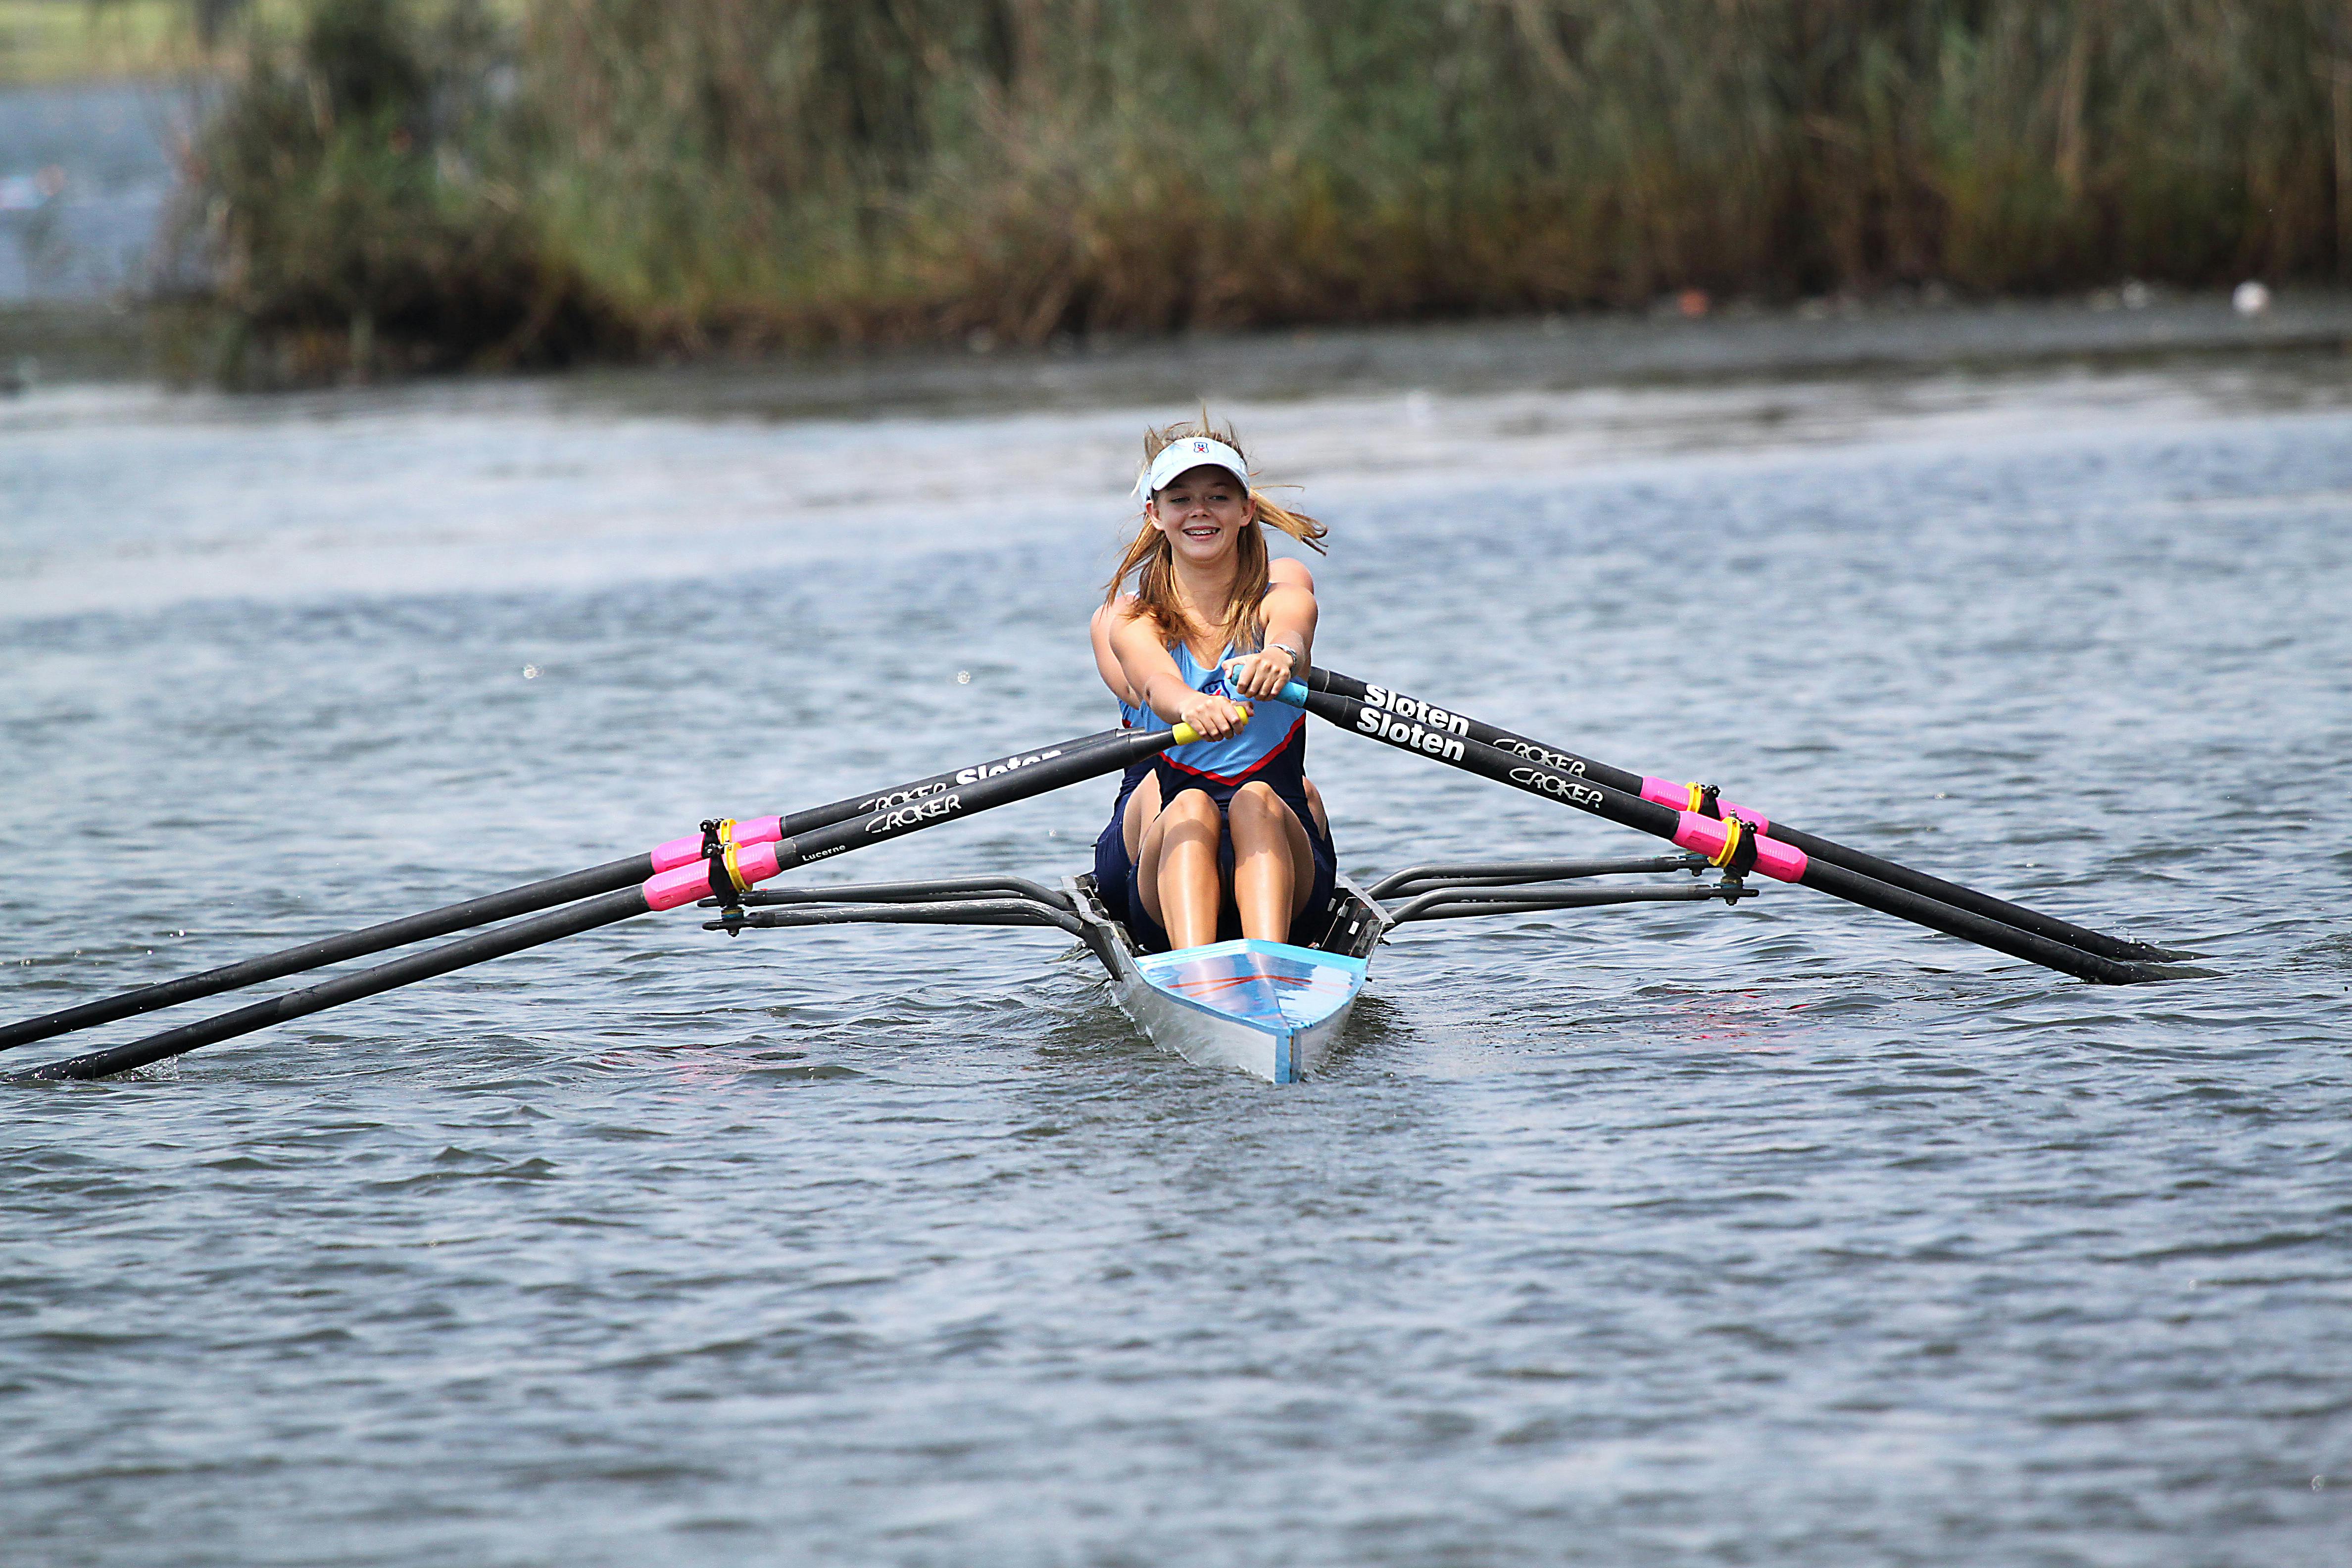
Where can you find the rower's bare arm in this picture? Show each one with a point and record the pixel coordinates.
(1158, 685)
(1284, 572)
(1290, 615)
(1106, 662)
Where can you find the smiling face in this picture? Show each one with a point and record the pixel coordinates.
(1203, 512)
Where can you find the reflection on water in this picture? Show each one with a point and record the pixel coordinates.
(1785, 1234)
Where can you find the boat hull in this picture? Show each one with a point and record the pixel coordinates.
(1266, 1008)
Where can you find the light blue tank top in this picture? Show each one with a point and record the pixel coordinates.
(1230, 760)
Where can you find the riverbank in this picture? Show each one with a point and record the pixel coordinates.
(75, 43)
(51, 344)
(393, 188)
(1822, 338)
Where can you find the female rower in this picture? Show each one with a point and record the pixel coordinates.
(1114, 854)
(1226, 823)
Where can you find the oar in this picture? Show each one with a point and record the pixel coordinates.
(1701, 798)
(1730, 843)
(611, 877)
(988, 786)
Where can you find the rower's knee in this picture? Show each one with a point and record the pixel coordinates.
(1254, 804)
(1255, 810)
(1191, 808)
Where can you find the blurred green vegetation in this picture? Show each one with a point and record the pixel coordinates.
(48, 41)
(399, 184)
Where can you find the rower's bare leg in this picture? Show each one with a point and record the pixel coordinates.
(1177, 869)
(1272, 865)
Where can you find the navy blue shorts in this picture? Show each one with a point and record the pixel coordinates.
(1148, 932)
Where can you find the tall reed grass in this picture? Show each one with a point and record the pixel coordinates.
(752, 171)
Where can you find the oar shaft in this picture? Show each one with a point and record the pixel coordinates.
(585, 915)
(769, 829)
(992, 785)
(490, 907)
(472, 912)
(1816, 848)
(1444, 737)
(1970, 926)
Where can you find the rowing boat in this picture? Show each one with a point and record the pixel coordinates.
(1273, 1010)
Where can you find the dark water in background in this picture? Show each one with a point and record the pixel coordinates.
(1786, 1235)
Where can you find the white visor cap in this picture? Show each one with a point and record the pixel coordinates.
(1191, 452)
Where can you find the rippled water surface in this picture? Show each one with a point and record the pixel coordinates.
(1782, 1235)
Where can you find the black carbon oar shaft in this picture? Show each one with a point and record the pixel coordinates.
(1816, 848)
(584, 915)
(472, 912)
(842, 810)
(682, 885)
(1442, 742)
(528, 898)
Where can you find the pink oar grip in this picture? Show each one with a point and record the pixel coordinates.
(686, 884)
(678, 851)
(1667, 792)
(1706, 834)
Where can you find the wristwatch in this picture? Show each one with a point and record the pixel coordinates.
(1296, 657)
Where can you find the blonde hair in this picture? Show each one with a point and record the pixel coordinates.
(1242, 624)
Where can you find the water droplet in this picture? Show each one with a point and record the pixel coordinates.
(963, 677)
(530, 672)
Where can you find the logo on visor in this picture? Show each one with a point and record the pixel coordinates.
(1200, 446)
